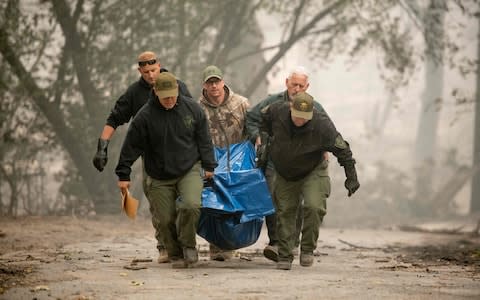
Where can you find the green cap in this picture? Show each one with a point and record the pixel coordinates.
(302, 106)
(166, 85)
(212, 71)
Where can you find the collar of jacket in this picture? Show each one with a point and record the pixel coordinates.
(144, 83)
(156, 102)
(285, 96)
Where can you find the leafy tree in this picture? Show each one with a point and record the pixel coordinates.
(71, 59)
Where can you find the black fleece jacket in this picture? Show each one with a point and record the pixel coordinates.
(296, 151)
(171, 141)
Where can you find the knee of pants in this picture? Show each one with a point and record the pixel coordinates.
(320, 211)
(165, 219)
(189, 203)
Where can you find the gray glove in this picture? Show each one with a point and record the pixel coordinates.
(351, 183)
(100, 159)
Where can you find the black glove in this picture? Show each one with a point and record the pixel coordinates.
(100, 158)
(351, 183)
(261, 158)
(208, 182)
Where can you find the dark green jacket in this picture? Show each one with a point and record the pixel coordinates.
(134, 98)
(170, 140)
(254, 118)
(297, 151)
(254, 115)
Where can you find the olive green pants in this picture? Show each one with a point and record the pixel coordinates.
(271, 220)
(315, 189)
(146, 179)
(175, 207)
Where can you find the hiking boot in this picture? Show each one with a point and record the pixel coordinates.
(178, 263)
(271, 252)
(163, 256)
(190, 255)
(306, 259)
(219, 254)
(284, 265)
(295, 251)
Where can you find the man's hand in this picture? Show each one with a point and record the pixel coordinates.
(123, 185)
(100, 159)
(351, 183)
(258, 141)
(208, 175)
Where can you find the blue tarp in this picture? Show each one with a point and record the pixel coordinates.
(234, 206)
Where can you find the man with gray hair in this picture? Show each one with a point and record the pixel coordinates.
(296, 82)
(300, 137)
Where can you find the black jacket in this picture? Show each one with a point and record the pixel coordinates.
(171, 141)
(135, 98)
(297, 151)
(254, 115)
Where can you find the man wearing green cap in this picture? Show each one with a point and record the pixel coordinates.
(226, 113)
(171, 132)
(301, 135)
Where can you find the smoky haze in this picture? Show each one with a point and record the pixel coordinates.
(63, 75)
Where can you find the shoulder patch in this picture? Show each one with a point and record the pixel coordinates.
(340, 143)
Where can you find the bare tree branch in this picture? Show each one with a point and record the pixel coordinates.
(279, 45)
(195, 36)
(297, 14)
(413, 10)
(288, 44)
(90, 93)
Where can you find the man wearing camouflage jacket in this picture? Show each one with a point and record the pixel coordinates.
(226, 114)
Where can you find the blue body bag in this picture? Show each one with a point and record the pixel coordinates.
(234, 206)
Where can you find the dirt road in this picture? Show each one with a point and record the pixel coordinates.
(70, 258)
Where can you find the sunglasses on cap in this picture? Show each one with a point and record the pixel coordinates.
(147, 62)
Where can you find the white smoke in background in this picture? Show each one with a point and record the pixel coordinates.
(352, 95)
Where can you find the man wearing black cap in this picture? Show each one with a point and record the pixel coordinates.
(300, 136)
(127, 106)
(171, 132)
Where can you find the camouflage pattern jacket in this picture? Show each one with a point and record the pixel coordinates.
(227, 120)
